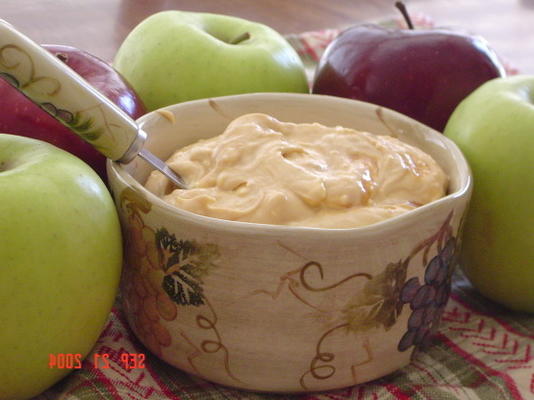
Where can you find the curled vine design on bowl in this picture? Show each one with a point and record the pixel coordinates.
(378, 304)
(25, 61)
(26, 79)
(162, 276)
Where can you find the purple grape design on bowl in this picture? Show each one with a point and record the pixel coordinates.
(427, 299)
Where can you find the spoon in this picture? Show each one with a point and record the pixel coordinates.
(66, 96)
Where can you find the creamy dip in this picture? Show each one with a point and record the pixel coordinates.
(266, 171)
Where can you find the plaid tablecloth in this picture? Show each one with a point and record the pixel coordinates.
(481, 351)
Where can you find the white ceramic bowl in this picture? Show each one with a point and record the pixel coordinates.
(278, 308)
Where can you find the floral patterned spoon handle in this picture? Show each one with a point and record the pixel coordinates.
(71, 100)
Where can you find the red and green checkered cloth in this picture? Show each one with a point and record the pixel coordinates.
(481, 351)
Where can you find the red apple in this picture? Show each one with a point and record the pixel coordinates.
(421, 73)
(20, 116)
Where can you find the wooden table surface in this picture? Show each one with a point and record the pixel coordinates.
(99, 26)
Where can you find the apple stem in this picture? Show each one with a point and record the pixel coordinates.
(62, 57)
(240, 38)
(402, 8)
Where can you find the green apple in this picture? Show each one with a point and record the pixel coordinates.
(60, 262)
(494, 127)
(176, 56)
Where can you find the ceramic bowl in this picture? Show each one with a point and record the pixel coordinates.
(278, 308)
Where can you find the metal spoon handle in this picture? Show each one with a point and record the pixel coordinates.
(66, 96)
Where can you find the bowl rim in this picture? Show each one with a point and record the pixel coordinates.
(118, 171)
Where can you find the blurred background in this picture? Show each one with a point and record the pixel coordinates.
(99, 26)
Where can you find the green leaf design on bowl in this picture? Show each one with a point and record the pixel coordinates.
(185, 264)
(377, 304)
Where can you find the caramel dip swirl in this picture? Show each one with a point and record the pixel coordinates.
(270, 172)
